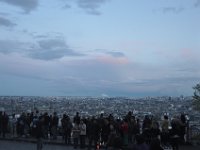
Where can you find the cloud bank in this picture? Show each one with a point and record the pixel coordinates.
(26, 5)
(44, 49)
(93, 77)
(6, 22)
(50, 49)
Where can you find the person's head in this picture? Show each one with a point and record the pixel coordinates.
(130, 113)
(165, 117)
(64, 116)
(13, 115)
(101, 115)
(146, 117)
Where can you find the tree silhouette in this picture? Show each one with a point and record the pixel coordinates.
(196, 97)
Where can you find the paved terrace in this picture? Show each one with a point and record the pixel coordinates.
(9, 143)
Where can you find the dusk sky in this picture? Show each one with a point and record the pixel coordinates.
(99, 47)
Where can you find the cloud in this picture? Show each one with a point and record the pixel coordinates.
(5, 22)
(52, 44)
(112, 60)
(66, 6)
(173, 9)
(26, 5)
(189, 56)
(67, 76)
(109, 52)
(116, 54)
(197, 3)
(110, 57)
(10, 46)
(89, 6)
(89, 76)
(48, 49)
(49, 35)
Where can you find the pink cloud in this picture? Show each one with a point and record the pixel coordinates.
(189, 54)
(186, 53)
(112, 60)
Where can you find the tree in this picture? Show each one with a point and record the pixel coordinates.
(196, 97)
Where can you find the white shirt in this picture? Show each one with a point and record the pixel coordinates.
(82, 129)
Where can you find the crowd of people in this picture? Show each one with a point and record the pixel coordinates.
(95, 132)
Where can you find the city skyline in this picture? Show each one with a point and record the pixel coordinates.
(99, 47)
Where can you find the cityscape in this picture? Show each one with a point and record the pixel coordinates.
(94, 106)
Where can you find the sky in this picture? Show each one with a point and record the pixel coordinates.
(131, 48)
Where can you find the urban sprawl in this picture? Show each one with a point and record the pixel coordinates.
(121, 108)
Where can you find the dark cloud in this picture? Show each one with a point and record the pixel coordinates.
(52, 49)
(52, 44)
(4, 14)
(49, 35)
(26, 5)
(39, 36)
(109, 52)
(197, 3)
(89, 6)
(116, 54)
(173, 9)
(9, 46)
(5, 22)
(67, 6)
(48, 49)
